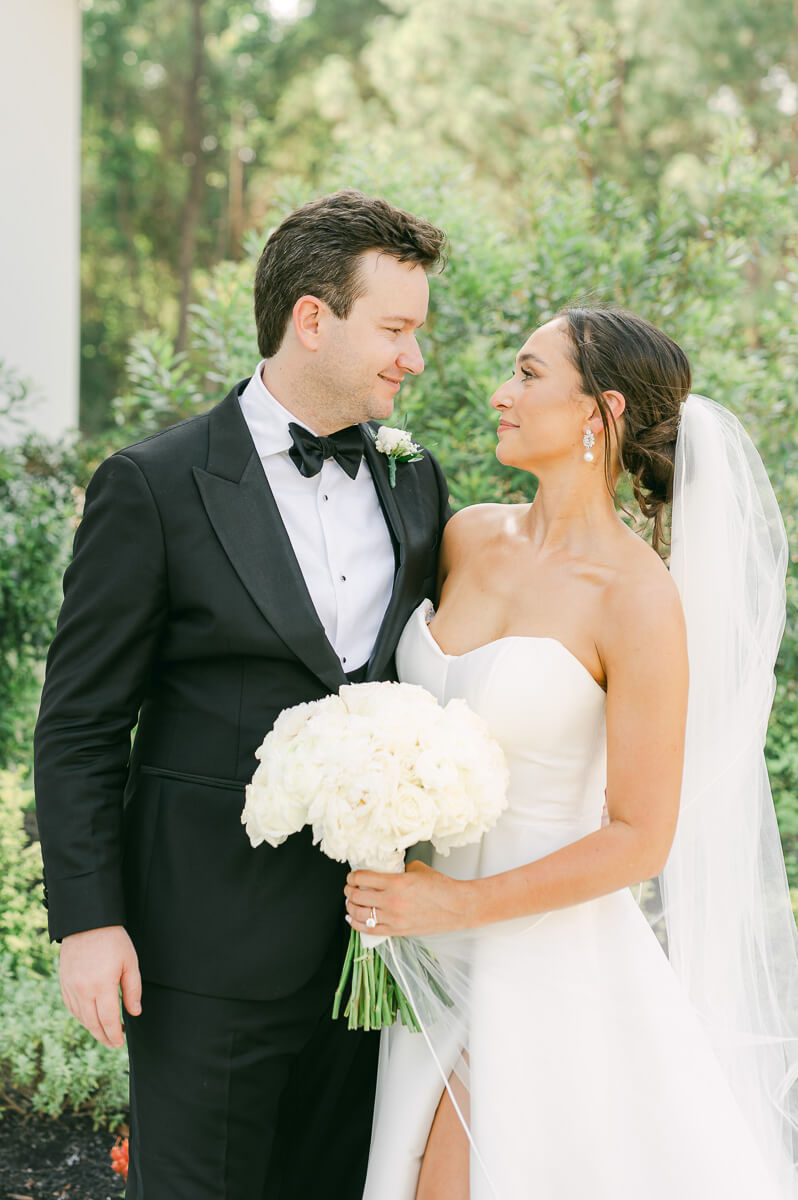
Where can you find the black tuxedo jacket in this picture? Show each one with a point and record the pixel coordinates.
(185, 613)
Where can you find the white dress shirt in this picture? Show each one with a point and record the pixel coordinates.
(336, 526)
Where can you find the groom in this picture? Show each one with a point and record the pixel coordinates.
(248, 559)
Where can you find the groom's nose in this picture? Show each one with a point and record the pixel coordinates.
(411, 359)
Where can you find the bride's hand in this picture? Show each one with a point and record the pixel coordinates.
(418, 902)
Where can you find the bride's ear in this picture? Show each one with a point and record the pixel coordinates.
(616, 403)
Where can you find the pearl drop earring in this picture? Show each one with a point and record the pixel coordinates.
(588, 441)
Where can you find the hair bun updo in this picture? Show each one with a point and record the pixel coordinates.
(614, 350)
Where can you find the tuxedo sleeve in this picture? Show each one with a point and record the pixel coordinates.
(98, 668)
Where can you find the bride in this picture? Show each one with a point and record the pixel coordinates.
(574, 1058)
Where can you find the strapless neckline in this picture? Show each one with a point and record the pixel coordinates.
(427, 609)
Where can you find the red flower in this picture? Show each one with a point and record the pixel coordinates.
(119, 1157)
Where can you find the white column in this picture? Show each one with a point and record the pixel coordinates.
(40, 69)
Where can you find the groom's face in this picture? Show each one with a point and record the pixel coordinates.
(367, 355)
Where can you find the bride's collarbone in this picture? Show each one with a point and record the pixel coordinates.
(488, 606)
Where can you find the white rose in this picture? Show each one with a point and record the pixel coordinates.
(398, 713)
(409, 817)
(436, 770)
(271, 813)
(289, 722)
(394, 441)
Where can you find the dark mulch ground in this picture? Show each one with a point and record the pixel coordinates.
(56, 1160)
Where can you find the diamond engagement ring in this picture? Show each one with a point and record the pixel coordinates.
(372, 920)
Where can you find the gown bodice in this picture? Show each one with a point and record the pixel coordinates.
(547, 712)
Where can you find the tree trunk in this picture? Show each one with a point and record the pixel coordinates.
(193, 158)
(235, 191)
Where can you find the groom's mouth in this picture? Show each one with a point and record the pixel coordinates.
(395, 383)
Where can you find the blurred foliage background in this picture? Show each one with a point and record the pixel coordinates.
(621, 150)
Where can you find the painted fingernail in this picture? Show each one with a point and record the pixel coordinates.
(348, 919)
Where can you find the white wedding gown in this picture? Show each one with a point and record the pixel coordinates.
(590, 1076)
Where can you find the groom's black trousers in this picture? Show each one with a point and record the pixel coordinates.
(249, 1100)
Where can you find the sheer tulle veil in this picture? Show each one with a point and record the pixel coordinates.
(731, 934)
(722, 905)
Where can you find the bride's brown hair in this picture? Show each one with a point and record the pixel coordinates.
(614, 350)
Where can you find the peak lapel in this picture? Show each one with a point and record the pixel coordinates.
(395, 613)
(244, 514)
(378, 465)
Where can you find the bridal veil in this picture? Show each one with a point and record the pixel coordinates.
(731, 934)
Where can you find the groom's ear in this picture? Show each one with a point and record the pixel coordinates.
(307, 317)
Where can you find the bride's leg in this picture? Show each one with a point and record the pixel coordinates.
(444, 1171)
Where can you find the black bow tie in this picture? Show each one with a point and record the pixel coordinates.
(309, 451)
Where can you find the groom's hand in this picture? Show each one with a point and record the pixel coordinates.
(94, 964)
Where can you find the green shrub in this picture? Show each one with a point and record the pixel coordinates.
(49, 1063)
(162, 390)
(782, 758)
(36, 511)
(23, 919)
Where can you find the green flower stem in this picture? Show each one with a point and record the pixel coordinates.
(367, 959)
(357, 992)
(408, 1016)
(339, 991)
(388, 999)
(354, 995)
(436, 987)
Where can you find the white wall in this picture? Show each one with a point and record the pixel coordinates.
(40, 66)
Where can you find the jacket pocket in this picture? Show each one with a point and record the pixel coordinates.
(228, 785)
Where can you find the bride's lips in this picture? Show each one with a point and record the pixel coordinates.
(505, 425)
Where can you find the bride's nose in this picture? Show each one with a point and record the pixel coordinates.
(500, 399)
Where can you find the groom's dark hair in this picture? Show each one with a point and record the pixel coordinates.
(316, 251)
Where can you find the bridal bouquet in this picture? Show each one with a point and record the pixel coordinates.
(375, 769)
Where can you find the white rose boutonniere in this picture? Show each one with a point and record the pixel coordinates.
(398, 446)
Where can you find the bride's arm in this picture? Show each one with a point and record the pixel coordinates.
(645, 658)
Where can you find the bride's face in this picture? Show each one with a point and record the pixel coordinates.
(543, 412)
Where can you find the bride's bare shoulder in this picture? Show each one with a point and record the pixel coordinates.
(641, 604)
(475, 525)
